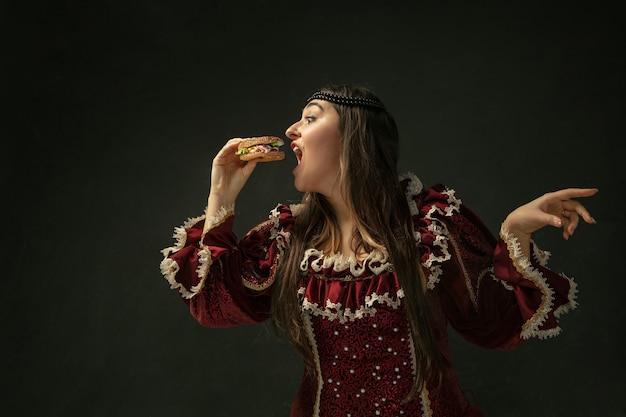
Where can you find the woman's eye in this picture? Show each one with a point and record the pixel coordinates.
(309, 119)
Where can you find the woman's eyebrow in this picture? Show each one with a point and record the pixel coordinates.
(313, 103)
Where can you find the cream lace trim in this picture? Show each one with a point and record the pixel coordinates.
(425, 397)
(414, 187)
(169, 267)
(571, 296)
(218, 218)
(440, 230)
(335, 311)
(339, 262)
(316, 359)
(523, 265)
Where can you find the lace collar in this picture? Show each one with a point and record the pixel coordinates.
(376, 262)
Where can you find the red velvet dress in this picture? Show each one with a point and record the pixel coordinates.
(483, 287)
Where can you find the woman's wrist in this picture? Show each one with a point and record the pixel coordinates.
(217, 201)
(523, 238)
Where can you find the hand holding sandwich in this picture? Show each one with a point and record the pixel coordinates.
(230, 171)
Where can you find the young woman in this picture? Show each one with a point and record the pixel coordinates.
(368, 271)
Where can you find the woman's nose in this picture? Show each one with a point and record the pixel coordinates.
(292, 132)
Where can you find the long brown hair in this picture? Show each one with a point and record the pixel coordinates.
(369, 156)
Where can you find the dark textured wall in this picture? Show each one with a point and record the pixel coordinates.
(114, 111)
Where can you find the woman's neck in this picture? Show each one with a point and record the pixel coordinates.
(346, 223)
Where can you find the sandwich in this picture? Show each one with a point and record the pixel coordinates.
(264, 148)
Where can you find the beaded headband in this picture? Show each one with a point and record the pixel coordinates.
(346, 100)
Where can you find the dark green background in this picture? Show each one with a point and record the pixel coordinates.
(114, 110)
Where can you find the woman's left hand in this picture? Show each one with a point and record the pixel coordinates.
(557, 209)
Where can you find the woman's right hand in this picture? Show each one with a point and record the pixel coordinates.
(228, 176)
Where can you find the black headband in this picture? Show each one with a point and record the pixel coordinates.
(346, 100)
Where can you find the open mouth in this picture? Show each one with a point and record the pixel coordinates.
(297, 152)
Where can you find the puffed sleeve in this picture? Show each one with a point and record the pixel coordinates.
(490, 292)
(227, 281)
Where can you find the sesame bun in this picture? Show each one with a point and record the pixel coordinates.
(262, 153)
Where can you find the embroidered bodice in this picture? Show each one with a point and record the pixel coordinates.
(355, 321)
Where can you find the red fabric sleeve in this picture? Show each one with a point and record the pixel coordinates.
(226, 281)
(490, 293)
